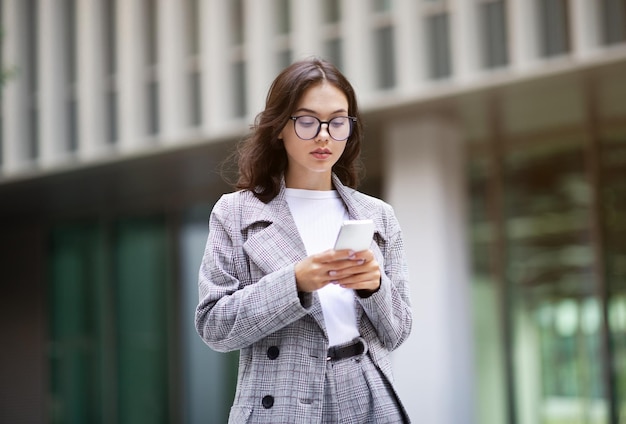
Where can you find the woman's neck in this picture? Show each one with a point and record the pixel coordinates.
(321, 182)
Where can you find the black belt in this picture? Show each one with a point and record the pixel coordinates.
(335, 353)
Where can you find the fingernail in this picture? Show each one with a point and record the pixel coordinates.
(360, 261)
(334, 282)
(332, 273)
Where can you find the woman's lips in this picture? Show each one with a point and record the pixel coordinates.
(321, 153)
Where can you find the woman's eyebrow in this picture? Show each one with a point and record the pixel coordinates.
(303, 109)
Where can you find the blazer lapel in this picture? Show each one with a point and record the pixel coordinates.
(358, 209)
(278, 243)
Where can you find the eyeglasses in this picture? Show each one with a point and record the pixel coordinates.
(308, 127)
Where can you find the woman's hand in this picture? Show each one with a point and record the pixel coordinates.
(357, 271)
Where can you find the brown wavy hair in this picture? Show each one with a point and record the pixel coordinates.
(262, 158)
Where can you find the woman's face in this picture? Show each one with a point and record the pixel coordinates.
(310, 162)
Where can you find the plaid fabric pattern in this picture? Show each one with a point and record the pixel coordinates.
(356, 392)
(249, 302)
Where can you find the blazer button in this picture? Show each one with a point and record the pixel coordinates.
(267, 401)
(273, 352)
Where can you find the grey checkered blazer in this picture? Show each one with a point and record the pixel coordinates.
(249, 302)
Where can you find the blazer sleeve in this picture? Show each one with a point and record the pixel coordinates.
(389, 308)
(234, 312)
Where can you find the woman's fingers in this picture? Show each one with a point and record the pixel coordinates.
(349, 269)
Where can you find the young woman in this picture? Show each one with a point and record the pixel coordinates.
(314, 325)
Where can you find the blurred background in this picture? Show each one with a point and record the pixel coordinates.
(496, 129)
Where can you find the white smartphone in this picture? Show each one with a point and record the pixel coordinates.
(355, 235)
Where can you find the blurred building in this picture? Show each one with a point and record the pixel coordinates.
(496, 128)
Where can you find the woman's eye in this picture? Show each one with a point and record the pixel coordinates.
(338, 123)
(307, 122)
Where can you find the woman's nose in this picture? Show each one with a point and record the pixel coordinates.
(323, 134)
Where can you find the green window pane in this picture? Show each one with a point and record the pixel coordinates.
(142, 321)
(75, 325)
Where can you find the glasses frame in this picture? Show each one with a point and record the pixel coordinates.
(351, 120)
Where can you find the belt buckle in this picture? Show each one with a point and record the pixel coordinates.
(331, 353)
(356, 348)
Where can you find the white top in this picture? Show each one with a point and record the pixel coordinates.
(318, 216)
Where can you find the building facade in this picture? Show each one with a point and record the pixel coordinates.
(496, 129)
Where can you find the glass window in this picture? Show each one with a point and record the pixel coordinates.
(77, 327)
(109, 308)
(193, 27)
(613, 195)
(195, 98)
(194, 74)
(438, 34)
(110, 35)
(554, 28)
(332, 11)
(549, 269)
(239, 88)
(494, 35)
(548, 276)
(385, 57)
(283, 58)
(490, 353)
(72, 124)
(32, 147)
(382, 5)
(333, 51)
(109, 11)
(153, 108)
(112, 120)
(613, 21)
(151, 33)
(142, 311)
(152, 95)
(31, 36)
(70, 45)
(283, 13)
(236, 22)
(331, 32)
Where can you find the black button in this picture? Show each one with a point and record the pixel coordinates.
(267, 402)
(273, 352)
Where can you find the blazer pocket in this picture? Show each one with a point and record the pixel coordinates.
(239, 414)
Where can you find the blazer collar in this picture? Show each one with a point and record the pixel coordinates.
(361, 206)
(277, 211)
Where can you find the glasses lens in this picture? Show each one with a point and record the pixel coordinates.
(307, 127)
(340, 128)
